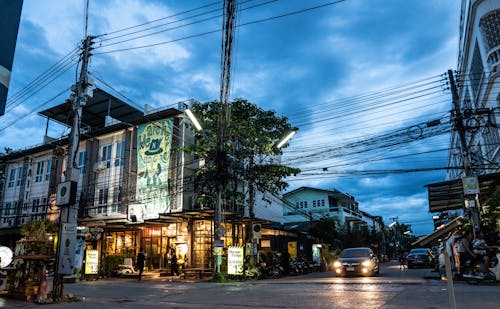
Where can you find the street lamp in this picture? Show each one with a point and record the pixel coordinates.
(193, 120)
(286, 139)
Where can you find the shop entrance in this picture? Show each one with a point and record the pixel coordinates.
(161, 242)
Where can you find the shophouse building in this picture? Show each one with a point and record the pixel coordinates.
(136, 188)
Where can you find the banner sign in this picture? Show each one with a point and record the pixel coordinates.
(235, 260)
(91, 262)
(67, 249)
(154, 141)
(292, 249)
(10, 15)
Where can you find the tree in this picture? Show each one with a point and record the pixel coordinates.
(326, 231)
(251, 137)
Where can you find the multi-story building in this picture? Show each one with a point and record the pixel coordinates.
(478, 76)
(478, 84)
(306, 204)
(136, 187)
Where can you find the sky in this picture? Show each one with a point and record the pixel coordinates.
(359, 78)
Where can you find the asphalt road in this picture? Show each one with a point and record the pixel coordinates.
(414, 288)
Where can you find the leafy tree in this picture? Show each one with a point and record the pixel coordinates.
(491, 208)
(326, 230)
(250, 144)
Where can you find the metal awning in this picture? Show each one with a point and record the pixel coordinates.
(439, 233)
(94, 113)
(448, 195)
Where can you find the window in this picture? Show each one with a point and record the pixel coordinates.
(476, 70)
(103, 201)
(20, 174)
(7, 208)
(115, 207)
(106, 153)
(12, 177)
(82, 161)
(34, 205)
(120, 153)
(39, 171)
(314, 203)
(322, 203)
(47, 173)
(305, 204)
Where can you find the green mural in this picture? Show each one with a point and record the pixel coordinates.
(154, 141)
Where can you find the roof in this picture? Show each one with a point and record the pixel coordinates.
(439, 233)
(448, 195)
(95, 111)
(334, 191)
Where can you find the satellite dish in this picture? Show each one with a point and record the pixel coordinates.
(5, 256)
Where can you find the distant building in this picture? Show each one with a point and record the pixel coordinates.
(306, 204)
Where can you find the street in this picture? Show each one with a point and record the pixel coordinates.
(414, 288)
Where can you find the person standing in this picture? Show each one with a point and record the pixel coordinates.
(173, 267)
(141, 257)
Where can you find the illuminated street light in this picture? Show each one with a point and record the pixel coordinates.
(193, 120)
(286, 139)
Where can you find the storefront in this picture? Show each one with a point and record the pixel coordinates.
(190, 238)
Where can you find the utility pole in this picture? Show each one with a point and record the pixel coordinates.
(68, 214)
(228, 29)
(471, 201)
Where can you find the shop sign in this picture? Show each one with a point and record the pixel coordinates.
(292, 249)
(154, 142)
(91, 262)
(265, 243)
(67, 249)
(257, 231)
(235, 260)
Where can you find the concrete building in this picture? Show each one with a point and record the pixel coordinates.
(136, 188)
(306, 203)
(478, 76)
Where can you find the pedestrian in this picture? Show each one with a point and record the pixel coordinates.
(141, 257)
(402, 259)
(173, 266)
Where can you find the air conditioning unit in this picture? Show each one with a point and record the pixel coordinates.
(101, 165)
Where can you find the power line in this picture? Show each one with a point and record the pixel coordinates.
(218, 30)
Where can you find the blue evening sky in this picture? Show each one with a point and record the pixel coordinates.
(342, 73)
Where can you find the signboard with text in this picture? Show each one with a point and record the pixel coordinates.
(154, 142)
(235, 258)
(67, 249)
(91, 262)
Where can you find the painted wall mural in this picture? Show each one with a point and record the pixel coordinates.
(154, 142)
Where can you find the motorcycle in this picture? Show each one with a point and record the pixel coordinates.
(475, 276)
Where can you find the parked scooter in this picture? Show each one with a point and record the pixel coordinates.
(475, 276)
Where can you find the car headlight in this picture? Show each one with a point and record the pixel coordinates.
(366, 263)
(337, 264)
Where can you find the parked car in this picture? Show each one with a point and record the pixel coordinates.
(356, 261)
(420, 257)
